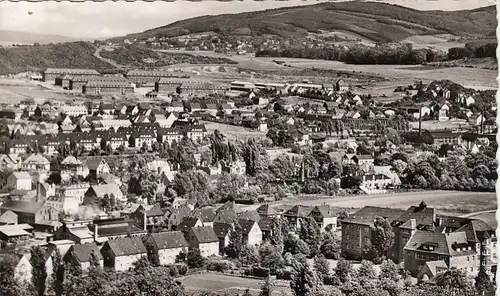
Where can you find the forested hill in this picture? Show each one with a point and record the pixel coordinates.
(379, 22)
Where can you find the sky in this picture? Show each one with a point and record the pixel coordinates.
(88, 19)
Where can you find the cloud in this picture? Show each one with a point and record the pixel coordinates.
(107, 19)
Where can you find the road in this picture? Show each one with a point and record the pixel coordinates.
(97, 54)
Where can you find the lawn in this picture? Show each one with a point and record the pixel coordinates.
(233, 131)
(217, 282)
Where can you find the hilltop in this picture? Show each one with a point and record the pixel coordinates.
(18, 37)
(379, 22)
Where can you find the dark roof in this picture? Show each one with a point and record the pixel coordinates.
(249, 215)
(204, 234)
(266, 210)
(221, 229)
(246, 225)
(299, 211)
(187, 223)
(93, 163)
(118, 228)
(205, 215)
(227, 216)
(326, 211)
(22, 206)
(83, 252)
(265, 223)
(169, 240)
(127, 246)
(368, 214)
(424, 217)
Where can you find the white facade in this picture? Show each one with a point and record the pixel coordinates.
(167, 256)
(209, 249)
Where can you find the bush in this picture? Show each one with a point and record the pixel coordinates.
(257, 272)
(182, 268)
(174, 272)
(284, 274)
(219, 266)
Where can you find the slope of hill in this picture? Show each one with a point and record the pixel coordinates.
(17, 37)
(37, 58)
(379, 22)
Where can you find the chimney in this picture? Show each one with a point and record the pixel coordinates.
(144, 220)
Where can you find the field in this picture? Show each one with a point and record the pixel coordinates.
(222, 283)
(439, 42)
(440, 125)
(232, 131)
(397, 74)
(489, 218)
(449, 202)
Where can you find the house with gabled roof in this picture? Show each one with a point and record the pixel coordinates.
(296, 214)
(166, 245)
(81, 255)
(30, 212)
(204, 239)
(187, 223)
(97, 192)
(36, 162)
(76, 231)
(252, 235)
(19, 181)
(325, 216)
(97, 166)
(8, 218)
(267, 210)
(120, 254)
(222, 231)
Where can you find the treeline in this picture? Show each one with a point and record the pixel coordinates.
(473, 50)
(380, 54)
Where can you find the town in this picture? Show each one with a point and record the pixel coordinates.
(106, 183)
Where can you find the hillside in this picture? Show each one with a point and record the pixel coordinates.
(37, 58)
(378, 22)
(17, 37)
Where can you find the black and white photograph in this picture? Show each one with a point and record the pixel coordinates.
(248, 148)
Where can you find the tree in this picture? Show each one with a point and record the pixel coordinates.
(39, 270)
(266, 288)
(251, 156)
(304, 280)
(383, 236)
(276, 238)
(249, 255)
(322, 267)
(57, 273)
(452, 278)
(483, 282)
(343, 270)
(366, 271)
(247, 292)
(235, 244)
(330, 247)
(389, 270)
(270, 257)
(310, 233)
(8, 284)
(194, 258)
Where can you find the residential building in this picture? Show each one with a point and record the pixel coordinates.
(252, 235)
(97, 166)
(81, 254)
(36, 162)
(365, 162)
(75, 111)
(325, 216)
(375, 181)
(187, 223)
(120, 254)
(195, 132)
(296, 214)
(97, 192)
(447, 137)
(222, 231)
(169, 85)
(19, 181)
(204, 239)
(167, 245)
(76, 231)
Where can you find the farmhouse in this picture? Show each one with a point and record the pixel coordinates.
(167, 245)
(120, 254)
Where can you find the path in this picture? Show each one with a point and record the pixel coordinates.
(477, 213)
(97, 54)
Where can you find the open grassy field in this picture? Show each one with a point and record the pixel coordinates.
(232, 131)
(489, 218)
(440, 125)
(449, 202)
(222, 283)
